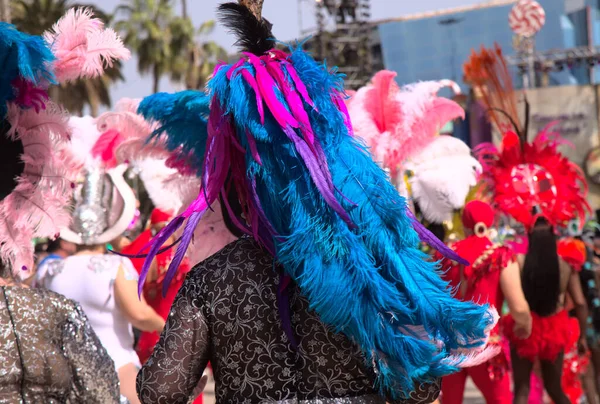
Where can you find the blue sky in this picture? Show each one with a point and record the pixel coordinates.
(284, 14)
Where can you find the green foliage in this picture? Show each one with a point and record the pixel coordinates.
(167, 44)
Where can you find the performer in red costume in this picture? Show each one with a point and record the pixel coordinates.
(539, 187)
(153, 287)
(492, 277)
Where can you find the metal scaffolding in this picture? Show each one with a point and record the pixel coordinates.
(343, 38)
(556, 60)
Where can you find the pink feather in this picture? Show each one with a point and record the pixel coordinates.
(38, 207)
(398, 123)
(267, 86)
(106, 146)
(83, 46)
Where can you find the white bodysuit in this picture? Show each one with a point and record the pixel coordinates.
(89, 280)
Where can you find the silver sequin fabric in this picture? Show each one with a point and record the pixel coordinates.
(49, 353)
(226, 312)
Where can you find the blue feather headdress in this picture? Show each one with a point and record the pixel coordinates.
(274, 126)
(23, 59)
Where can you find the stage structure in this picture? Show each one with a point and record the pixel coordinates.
(343, 38)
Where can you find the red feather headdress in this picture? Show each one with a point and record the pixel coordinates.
(527, 179)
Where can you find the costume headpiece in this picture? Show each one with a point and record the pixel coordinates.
(274, 126)
(478, 216)
(36, 171)
(104, 202)
(440, 177)
(529, 179)
(401, 126)
(399, 123)
(170, 184)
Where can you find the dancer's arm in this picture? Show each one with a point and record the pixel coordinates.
(180, 356)
(510, 283)
(136, 310)
(581, 310)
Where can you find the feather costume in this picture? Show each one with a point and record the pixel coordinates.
(441, 177)
(36, 165)
(401, 127)
(274, 126)
(528, 179)
(398, 123)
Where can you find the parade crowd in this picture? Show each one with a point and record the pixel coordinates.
(304, 243)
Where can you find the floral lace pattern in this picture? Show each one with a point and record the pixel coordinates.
(226, 313)
(49, 352)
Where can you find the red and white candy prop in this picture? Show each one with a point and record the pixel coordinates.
(527, 18)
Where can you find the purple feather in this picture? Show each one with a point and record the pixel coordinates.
(344, 110)
(237, 221)
(283, 303)
(253, 149)
(143, 255)
(429, 238)
(267, 86)
(317, 173)
(260, 210)
(186, 239)
(159, 240)
(234, 67)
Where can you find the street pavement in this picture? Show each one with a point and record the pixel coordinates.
(472, 395)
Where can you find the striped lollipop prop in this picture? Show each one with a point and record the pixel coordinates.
(527, 18)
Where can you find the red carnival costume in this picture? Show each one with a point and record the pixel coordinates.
(153, 289)
(480, 282)
(528, 180)
(531, 180)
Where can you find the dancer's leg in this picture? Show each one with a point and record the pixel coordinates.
(552, 376)
(521, 376)
(453, 388)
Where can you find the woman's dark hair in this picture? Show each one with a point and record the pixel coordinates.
(11, 164)
(541, 271)
(437, 229)
(5, 271)
(235, 205)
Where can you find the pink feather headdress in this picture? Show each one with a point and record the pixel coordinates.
(167, 179)
(37, 206)
(398, 123)
(83, 46)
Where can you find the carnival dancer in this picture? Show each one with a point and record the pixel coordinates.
(326, 230)
(104, 284)
(168, 190)
(540, 188)
(153, 287)
(49, 352)
(492, 278)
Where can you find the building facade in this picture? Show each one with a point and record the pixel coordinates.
(435, 45)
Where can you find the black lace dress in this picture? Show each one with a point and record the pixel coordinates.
(226, 313)
(49, 353)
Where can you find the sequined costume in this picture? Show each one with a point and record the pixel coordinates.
(49, 352)
(251, 356)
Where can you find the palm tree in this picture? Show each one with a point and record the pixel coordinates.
(195, 63)
(5, 11)
(37, 16)
(147, 27)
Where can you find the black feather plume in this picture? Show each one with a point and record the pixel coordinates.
(253, 36)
